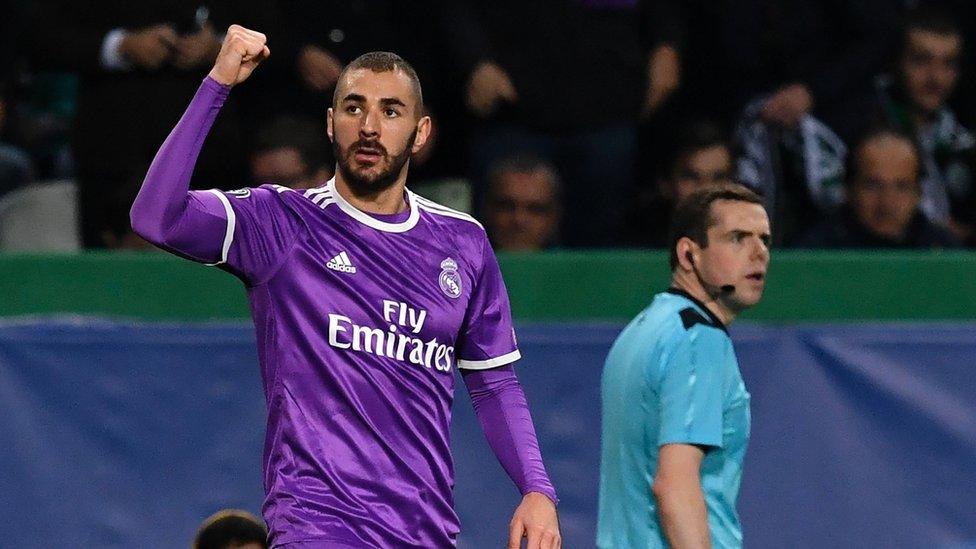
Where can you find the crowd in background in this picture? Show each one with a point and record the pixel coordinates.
(560, 123)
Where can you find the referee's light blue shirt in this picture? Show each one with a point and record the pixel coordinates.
(671, 377)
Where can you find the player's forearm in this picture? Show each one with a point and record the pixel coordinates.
(503, 412)
(683, 515)
(164, 212)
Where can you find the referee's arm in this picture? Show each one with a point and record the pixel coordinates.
(680, 500)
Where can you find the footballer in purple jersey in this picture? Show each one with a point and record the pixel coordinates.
(366, 298)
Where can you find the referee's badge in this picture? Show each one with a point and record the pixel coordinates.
(450, 279)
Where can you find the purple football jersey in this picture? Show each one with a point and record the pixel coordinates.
(361, 321)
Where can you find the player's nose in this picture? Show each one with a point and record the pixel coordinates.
(369, 124)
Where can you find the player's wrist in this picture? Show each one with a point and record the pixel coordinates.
(220, 78)
(549, 495)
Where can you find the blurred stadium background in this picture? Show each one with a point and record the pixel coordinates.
(130, 402)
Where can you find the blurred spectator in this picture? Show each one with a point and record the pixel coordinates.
(116, 229)
(291, 152)
(566, 80)
(232, 529)
(914, 100)
(883, 205)
(524, 204)
(16, 167)
(138, 63)
(797, 56)
(700, 156)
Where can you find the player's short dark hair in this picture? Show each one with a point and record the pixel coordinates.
(692, 137)
(693, 216)
(231, 528)
(874, 133)
(294, 132)
(383, 61)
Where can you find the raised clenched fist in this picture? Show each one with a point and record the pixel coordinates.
(240, 53)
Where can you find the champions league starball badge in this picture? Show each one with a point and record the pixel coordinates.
(240, 193)
(450, 279)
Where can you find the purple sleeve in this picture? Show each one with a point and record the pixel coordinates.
(246, 232)
(487, 339)
(504, 416)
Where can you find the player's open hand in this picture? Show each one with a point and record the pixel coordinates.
(197, 49)
(318, 68)
(488, 87)
(240, 53)
(148, 48)
(535, 519)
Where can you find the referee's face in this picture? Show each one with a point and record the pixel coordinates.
(375, 127)
(738, 252)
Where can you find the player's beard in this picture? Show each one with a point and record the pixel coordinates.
(362, 183)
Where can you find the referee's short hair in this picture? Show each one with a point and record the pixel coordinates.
(693, 216)
(383, 61)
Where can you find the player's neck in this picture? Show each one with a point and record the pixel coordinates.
(689, 283)
(386, 202)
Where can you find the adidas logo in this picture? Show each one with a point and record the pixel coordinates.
(341, 263)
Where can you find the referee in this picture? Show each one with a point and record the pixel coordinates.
(675, 408)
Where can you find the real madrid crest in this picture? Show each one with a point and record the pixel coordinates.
(450, 279)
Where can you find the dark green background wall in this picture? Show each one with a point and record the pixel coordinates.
(803, 286)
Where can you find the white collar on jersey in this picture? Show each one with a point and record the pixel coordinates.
(371, 221)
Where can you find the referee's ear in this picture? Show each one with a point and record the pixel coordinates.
(686, 252)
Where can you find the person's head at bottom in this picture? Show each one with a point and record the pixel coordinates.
(232, 529)
(720, 248)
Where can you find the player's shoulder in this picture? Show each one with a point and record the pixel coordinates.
(439, 214)
(266, 192)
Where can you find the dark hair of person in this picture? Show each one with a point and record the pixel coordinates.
(693, 216)
(294, 132)
(383, 61)
(853, 161)
(930, 18)
(229, 529)
(525, 163)
(692, 137)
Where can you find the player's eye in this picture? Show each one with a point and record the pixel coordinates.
(392, 113)
(353, 109)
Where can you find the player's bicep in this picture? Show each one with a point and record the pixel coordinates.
(691, 394)
(258, 234)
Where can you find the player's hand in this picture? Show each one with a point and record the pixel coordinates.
(788, 105)
(319, 69)
(535, 519)
(194, 50)
(488, 86)
(663, 77)
(242, 51)
(148, 48)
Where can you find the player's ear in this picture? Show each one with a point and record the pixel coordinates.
(424, 126)
(329, 118)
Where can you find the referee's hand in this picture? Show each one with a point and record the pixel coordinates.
(240, 53)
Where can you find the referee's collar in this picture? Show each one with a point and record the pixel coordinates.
(711, 316)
